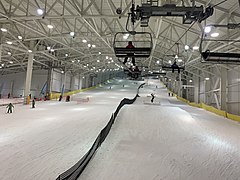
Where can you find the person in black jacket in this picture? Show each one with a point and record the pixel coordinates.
(152, 97)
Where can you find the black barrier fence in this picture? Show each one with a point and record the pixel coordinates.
(75, 171)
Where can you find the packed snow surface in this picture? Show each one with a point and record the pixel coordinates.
(166, 139)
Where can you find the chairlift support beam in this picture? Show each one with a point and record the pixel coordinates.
(189, 14)
(220, 57)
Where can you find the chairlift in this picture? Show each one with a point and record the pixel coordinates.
(177, 65)
(142, 42)
(226, 57)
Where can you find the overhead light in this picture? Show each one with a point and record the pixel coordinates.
(52, 50)
(98, 60)
(2, 65)
(83, 77)
(125, 36)
(40, 11)
(66, 55)
(109, 62)
(10, 62)
(29, 50)
(62, 72)
(73, 61)
(163, 71)
(112, 61)
(72, 33)
(170, 62)
(84, 40)
(106, 57)
(208, 29)
(20, 37)
(179, 60)
(99, 53)
(158, 62)
(48, 48)
(195, 47)
(3, 30)
(89, 45)
(9, 53)
(207, 78)
(215, 34)
(186, 47)
(93, 45)
(87, 64)
(9, 42)
(78, 60)
(50, 26)
(176, 56)
(190, 80)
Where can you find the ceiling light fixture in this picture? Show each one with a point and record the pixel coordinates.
(3, 30)
(186, 47)
(40, 11)
(84, 40)
(72, 33)
(215, 34)
(208, 29)
(9, 42)
(20, 37)
(50, 26)
(29, 50)
(93, 45)
(195, 47)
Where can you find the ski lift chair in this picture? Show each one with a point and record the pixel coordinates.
(142, 41)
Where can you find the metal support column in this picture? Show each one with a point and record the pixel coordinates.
(223, 89)
(180, 86)
(196, 89)
(28, 78)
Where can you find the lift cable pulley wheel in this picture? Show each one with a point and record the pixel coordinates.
(226, 55)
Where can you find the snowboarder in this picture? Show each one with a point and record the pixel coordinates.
(152, 97)
(10, 107)
(33, 103)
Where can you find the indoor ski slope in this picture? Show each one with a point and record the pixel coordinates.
(41, 143)
(170, 141)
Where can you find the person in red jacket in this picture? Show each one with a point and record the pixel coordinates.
(130, 46)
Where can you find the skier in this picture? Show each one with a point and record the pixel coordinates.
(33, 103)
(68, 99)
(9, 106)
(60, 98)
(169, 94)
(152, 97)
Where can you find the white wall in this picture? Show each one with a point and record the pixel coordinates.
(17, 81)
